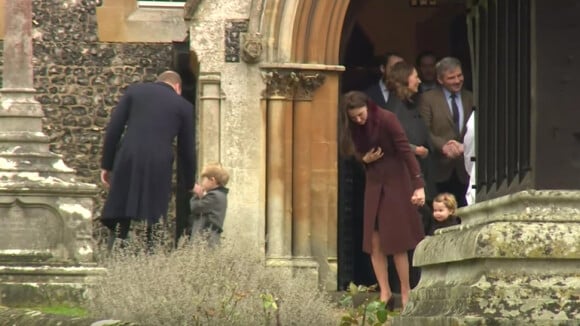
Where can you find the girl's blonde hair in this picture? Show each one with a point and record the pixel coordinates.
(216, 171)
(448, 200)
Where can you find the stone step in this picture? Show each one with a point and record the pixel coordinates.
(45, 284)
(33, 162)
(24, 257)
(24, 142)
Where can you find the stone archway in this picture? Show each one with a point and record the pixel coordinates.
(302, 75)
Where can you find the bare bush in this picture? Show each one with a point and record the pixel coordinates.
(197, 285)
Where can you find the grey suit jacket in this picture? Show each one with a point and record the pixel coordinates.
(435, 111)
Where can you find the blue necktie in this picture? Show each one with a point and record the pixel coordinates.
(455, 110)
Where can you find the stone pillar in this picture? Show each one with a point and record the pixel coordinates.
(289, 126)
(278, 225)
(210, 97)
(46, 247)
(301, 182)
(514, 260)
(17, 68)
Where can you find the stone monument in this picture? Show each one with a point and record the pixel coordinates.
(514, 260)
(46, 246)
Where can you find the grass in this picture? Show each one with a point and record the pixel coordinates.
(62, 310)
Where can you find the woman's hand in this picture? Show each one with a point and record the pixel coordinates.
(418, 197)
(421, 151)
(372, 155)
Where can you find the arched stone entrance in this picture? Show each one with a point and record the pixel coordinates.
(307, 38)
(301, 101)
(275, 122)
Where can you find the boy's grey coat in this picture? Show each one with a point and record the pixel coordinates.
(209, 212)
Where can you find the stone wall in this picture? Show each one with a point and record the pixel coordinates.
(79, 79)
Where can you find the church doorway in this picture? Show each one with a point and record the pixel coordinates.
(184, 62)
(372, 28)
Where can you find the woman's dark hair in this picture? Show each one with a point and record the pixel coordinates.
(398, 81)
(351, 100)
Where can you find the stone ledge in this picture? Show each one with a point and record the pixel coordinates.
(529, 205)
(124, 21)
(513, 261)
(501, 240)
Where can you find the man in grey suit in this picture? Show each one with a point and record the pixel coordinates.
(445, 110)
(378, 92)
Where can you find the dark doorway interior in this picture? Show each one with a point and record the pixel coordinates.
(372, 28)
(181, 64)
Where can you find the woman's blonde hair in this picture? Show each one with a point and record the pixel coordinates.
(448, 200)
(216, 171)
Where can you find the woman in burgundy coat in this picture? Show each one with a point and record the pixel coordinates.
(393, 186)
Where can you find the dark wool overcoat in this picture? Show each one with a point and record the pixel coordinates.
(138, 149)
(390, 182)
(418, 135)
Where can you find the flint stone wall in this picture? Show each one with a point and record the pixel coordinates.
(79, 80)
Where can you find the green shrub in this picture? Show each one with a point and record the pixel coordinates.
(370, 312)
(196, 285)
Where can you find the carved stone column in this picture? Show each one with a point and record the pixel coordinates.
(301, 182)
(289, 92)
(46, 247)
(278, 96)
(210, 97)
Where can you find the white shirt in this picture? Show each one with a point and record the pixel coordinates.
(468, 153)
(385, 91)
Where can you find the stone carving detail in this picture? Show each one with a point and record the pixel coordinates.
(252, 47)
(309, 82)
(234, 29)
(190, 8)
(298, 85)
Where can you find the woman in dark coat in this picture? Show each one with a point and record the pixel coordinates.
(404, 83)
(393, 186)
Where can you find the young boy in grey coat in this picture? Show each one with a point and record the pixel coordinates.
(209, 203)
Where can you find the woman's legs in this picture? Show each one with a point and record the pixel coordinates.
(379, 261)
(402, 264)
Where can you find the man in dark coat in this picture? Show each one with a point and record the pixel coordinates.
(378, 92)
(138, 153)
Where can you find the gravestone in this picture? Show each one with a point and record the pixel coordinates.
(46, 247)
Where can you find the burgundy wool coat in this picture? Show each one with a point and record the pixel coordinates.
(390, 182)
